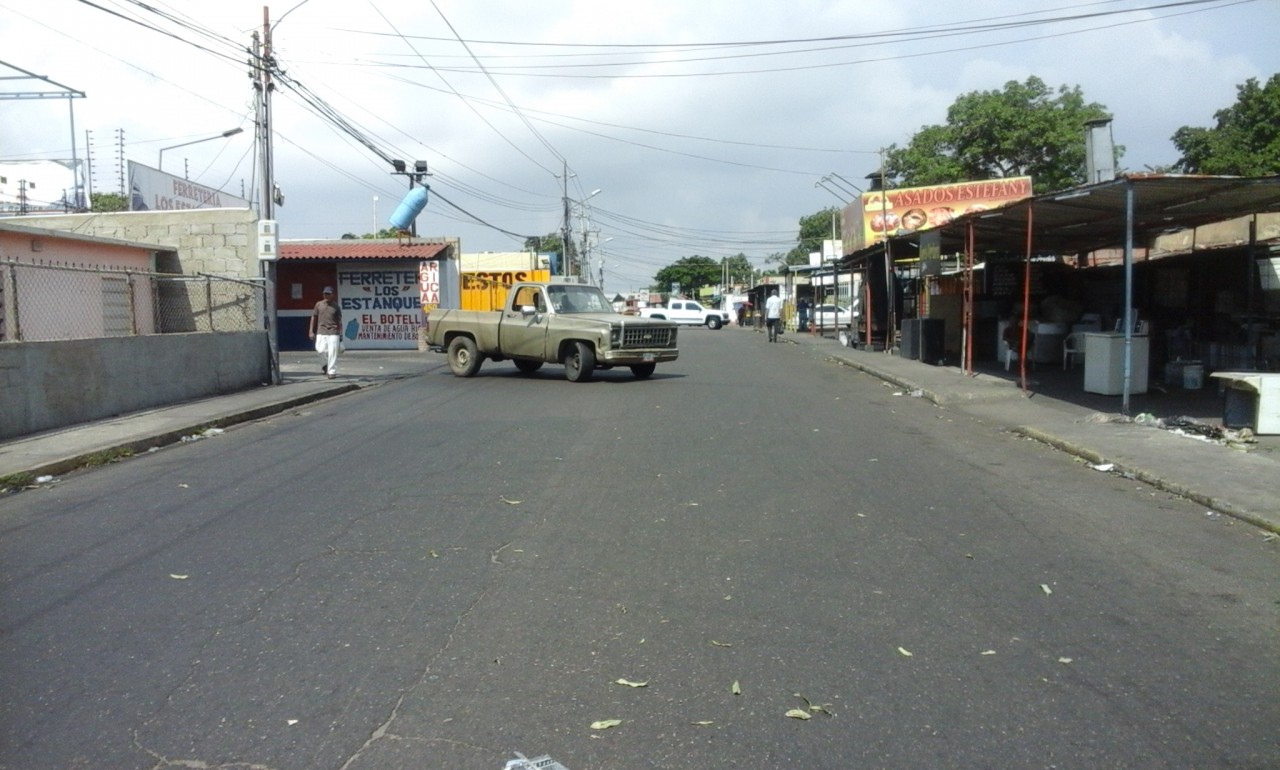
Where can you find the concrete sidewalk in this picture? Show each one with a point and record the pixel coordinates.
(1226, 480)
(1235, 481)
(56, 452)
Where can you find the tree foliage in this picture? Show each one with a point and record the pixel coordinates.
(1246, 139)
(104, 202)
(1024, 129)
(691, 273)
(739, 270)
(814, 229)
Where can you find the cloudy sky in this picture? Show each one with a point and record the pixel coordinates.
(708, 127)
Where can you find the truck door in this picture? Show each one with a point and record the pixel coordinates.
(520, 335)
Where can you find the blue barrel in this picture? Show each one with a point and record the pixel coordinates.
(409, 208)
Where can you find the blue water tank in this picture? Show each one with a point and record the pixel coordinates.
(409, 208)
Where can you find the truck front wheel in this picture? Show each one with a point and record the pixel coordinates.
(579, 362)
(714, 322)
(642, 371)
(464, 358)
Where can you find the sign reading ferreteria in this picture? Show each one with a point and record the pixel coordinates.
(153, 190)
(908, 210)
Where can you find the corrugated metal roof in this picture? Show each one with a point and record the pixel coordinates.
(359, 249)
(1092, 217)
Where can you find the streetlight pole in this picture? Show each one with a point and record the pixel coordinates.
(419, 171)
(225, 134)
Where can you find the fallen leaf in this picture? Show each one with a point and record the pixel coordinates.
(799, 714)
(291, 722)
(737, 688)
(813, 706)
(605, 724)
(432, 553)
(703, 723)
(509, 502)
(629, 683)
(1064, 660)
(988, 652)
(904, 652)
(1047, 590)
(720, 644)
(179, 577)
(185, 486)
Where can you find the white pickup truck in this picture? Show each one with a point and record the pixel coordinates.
(688, 312)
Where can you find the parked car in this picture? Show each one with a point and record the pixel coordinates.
(687, 312)
(831, 316)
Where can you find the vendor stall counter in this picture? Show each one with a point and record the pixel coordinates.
(1259, 390)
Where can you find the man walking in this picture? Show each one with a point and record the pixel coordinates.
(325, 330)
(773, 314)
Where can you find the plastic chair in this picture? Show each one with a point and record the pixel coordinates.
(1072, 348)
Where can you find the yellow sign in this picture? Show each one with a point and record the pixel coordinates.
(911, 209)
(487, 290)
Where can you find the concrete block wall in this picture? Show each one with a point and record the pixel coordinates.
(217, 241)
(47, 385)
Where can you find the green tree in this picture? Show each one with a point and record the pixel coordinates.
(1025, 129)
(550, 244)
(814, 229)
(739, 270)
(1246, 139)
(103, 202)
(691, 273)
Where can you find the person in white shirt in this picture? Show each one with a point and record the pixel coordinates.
(773, 314)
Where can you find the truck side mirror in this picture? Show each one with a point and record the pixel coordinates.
(527, 310)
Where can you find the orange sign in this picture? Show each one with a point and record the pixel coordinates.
(910, 209)
(487, 290)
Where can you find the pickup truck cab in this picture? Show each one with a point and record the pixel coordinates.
(686, 311)
(570, 324)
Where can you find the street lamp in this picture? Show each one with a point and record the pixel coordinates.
(416, 175)
(582, 268)
(225, 134)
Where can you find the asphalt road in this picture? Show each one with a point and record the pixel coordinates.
(438, 573)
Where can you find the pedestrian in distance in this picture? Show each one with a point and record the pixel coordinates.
(773, 314)
(802, 309)
(326, 330)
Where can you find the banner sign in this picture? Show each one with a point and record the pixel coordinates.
(381, 306)
(152, 190)
(429, 285)
(912, 209)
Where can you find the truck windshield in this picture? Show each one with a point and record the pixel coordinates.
(578, 299)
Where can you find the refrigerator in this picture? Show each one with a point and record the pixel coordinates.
(1104, 363)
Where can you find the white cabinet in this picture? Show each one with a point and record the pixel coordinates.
(1104, 363)
(1264, 390)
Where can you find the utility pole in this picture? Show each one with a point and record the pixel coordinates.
(891, 333)
(266, 194)
(564, 229)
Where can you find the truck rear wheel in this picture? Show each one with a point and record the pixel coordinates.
(641, 371)
(714, 322)
(464, 358)
(579, 362)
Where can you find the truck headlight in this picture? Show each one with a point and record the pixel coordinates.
(615, 336)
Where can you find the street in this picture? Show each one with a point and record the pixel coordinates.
(756, 558)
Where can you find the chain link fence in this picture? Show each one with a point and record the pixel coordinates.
(40, 302)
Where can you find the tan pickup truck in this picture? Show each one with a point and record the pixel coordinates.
(565, 323)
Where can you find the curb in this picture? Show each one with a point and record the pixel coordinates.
(1151, 479)
(165, 438)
